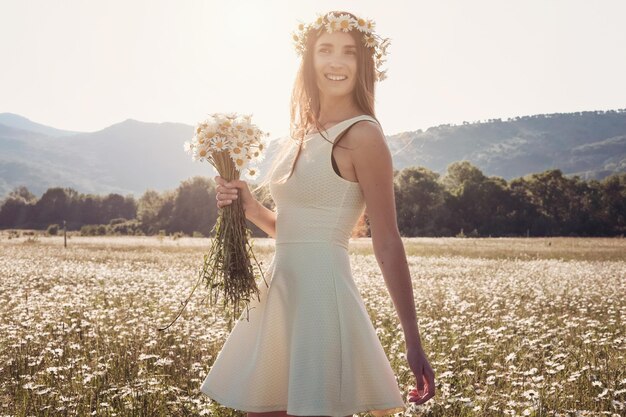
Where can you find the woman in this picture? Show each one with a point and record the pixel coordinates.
(309, 347)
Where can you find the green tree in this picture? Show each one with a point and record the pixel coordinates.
(91, 207)
(462, 181)
(22, 193)
(419, 201)
(525, 219)
(55, 205)
(148, 207)
(556, 199)
(114, 205)
(17, 207)
(154, 210)
(477, 202)
(613, 203)
(195, 207)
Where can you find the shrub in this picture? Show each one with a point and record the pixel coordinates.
(53, 229)
(178, 235)
(88, 230)
(93, 230)
(127, 228)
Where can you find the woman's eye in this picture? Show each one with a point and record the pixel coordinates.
(349, 52)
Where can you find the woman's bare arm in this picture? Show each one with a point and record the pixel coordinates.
(263, 217)
(372, 163)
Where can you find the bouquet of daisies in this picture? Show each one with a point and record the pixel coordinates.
(233, 145)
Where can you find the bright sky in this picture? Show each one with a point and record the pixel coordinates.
(84, 65)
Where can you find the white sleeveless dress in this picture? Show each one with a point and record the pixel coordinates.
(309, 346)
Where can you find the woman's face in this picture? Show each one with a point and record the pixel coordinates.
(335, 63)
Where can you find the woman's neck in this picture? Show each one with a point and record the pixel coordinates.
(336, 110)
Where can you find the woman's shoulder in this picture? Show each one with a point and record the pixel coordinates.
(364, 132)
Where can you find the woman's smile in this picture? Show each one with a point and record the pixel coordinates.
(336, 77)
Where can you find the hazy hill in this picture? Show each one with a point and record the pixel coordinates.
(126, 158)
(132, 156)
(20, 122)
(589, 144)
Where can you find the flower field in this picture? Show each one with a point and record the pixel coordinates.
(518, 327)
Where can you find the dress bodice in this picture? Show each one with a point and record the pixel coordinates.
(315, 204)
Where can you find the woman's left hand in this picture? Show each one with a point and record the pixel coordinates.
(424, 375)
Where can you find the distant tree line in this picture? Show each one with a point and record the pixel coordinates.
(546, 204)
(463, 202)
(535, 117)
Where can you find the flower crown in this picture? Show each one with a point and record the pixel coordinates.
(345, 23)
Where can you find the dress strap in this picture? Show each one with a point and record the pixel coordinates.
(341, 127)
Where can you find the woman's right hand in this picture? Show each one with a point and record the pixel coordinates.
(424, 375)
(227, 191)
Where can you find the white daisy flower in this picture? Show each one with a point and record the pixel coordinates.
(242, 142)
(206, 135)
(252, 173)
(319, 22)
(251, 132)
(237, 152)
(361, 25)
(203, 152)
(241, 162)
(345, 23)
(256, 155)
(369, 41)
(220, 144)
(332, 23)
(530, 394)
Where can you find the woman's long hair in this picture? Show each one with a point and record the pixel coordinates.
(305, 97)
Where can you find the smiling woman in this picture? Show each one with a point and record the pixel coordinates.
(309, 347)
(335, 63)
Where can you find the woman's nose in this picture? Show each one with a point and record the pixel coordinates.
(335, 64)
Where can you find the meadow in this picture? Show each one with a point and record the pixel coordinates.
(517, 327)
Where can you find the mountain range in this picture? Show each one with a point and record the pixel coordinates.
(132, 156)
